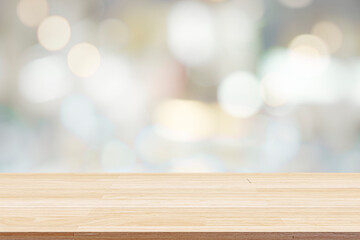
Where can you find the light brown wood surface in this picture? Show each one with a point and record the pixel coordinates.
(97, 206)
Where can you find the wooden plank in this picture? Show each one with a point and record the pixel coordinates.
(129, 206)
(36, 236)
(181, 236)
(218, 236)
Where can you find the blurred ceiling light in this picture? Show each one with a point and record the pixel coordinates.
(117, 157)
(274, 90)
(295, 3)
(113, 32)
(54, 33)
(83, 59)
(185, 120)
(44, 80)
(239, 94)
(330, 33)
(190, 31)
(32, 12)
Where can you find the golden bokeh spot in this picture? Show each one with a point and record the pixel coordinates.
(83, 59)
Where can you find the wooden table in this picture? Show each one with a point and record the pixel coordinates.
(180, 206)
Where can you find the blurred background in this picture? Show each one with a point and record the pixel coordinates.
(179, 86)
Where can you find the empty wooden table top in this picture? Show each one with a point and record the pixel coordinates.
(86, 205)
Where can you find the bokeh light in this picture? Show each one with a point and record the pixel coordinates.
(184, 120)
(294, 76)
(179, 86)
(239, 94)
(274, 89)
(83, 59)
(330, 33)
(311, 44)
(54, 33)
(32, 12)
(111, 82)
(306, 61)
(44, 80)
(191, 36)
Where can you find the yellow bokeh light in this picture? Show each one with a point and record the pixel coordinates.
(330, 33)
(306, 51)
(185, 120)
(32, 12)
(54, 33)
(83, 59)
(308, 56)
(309, 41)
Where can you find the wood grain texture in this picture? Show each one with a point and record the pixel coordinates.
(171, 206)
(181, 236)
